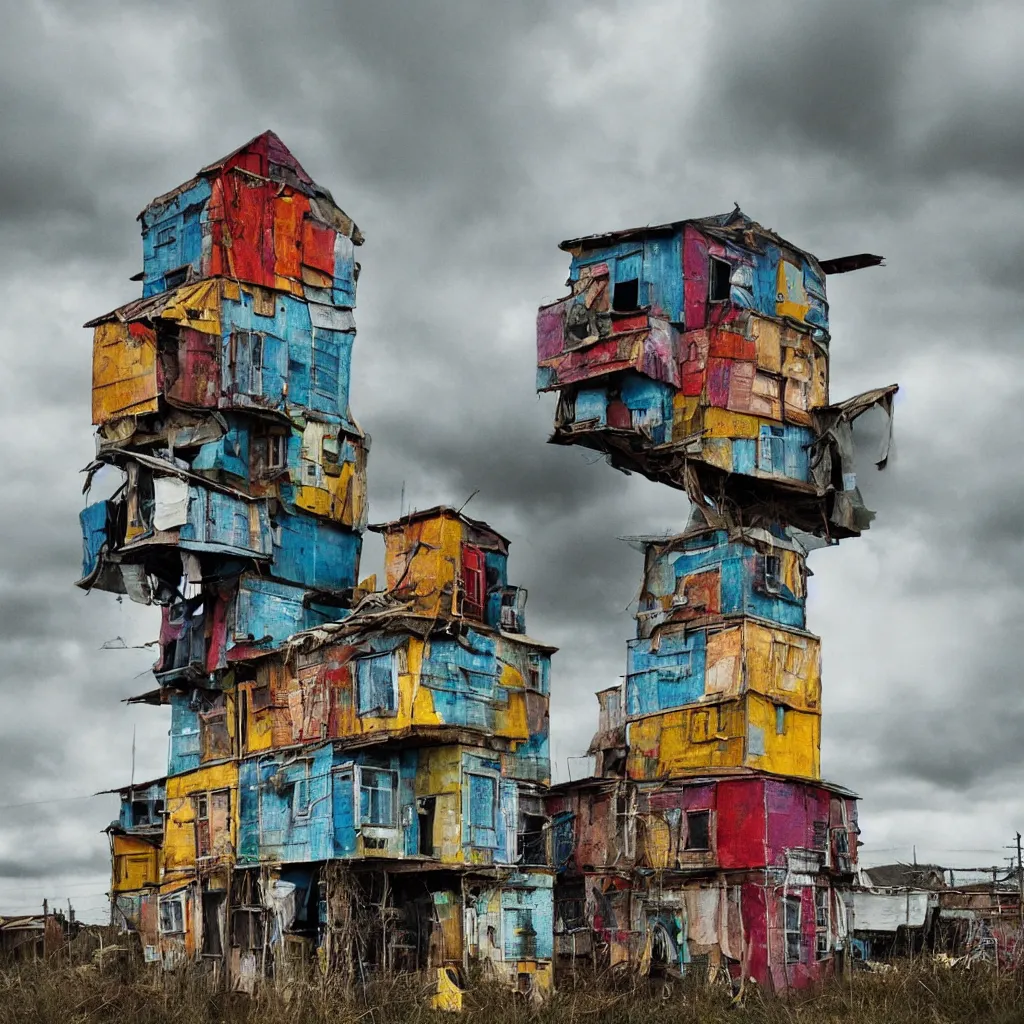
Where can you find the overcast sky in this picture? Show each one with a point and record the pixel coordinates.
(467, 139)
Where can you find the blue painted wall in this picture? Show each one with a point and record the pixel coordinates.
(658, 264)
(463, 678)
(740, 589)
(133, 816)
(285, 807)
(183, 755)
(666, 677)
(314, 552)
(266, 608)
(94, 522)
(292, 813)
(313, 363)
(222, 523)
(172, 235)
(527, 916)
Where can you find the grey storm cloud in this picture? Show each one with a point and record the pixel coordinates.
(466, 139)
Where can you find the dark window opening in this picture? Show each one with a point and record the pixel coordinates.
(532, 844)
(698, 830)
(626, 296)
(247, 928)
(426, 822)
(772, 574)
(578, 323)
(175, 278)
(213, 908)
(261, 696)
(718, 286)
(822, 923)
(819, 839)
(268, 453)
(140, 813)
(243, 721)
(842, 841)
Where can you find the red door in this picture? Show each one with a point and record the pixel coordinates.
(474, 582)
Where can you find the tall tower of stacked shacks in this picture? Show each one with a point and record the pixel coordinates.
(697, 354)
(355, 777)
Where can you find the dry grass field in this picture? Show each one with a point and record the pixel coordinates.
(59, 993)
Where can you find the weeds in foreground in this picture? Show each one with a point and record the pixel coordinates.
(46, 993)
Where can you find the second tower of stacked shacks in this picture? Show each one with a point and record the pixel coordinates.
(696, 353)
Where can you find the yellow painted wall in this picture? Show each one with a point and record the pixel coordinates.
(779, 663)
(440, 775)
(688, 740)
(416, 703)
(711, 736)
(337, 493)
(435, 546)
(136, 863)
(792, 295)
(123, 372)
(179, 851)
(198, 305)
(783, 665)
(259, 726)
(795, 751)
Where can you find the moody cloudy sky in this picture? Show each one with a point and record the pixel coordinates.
(467, 138)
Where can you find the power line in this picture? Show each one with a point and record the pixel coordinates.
(55, 800)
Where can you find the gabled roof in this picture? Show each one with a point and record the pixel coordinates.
(735, 227)
(907, 876)
(276, 163)
(437, 512)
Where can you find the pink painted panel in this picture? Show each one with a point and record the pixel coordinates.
(695, 278)
(718, 382)
(551, 329)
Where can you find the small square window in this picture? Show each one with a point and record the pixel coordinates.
(626, 296)
(172, 916)
(166, 235)
(175, 278)
(268, 451)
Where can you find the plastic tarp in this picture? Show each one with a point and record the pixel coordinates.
(170, 498)
(885, 912)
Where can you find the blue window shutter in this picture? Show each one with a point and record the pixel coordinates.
(375, 682)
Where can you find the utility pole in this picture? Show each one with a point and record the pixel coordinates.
(1020, 887)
